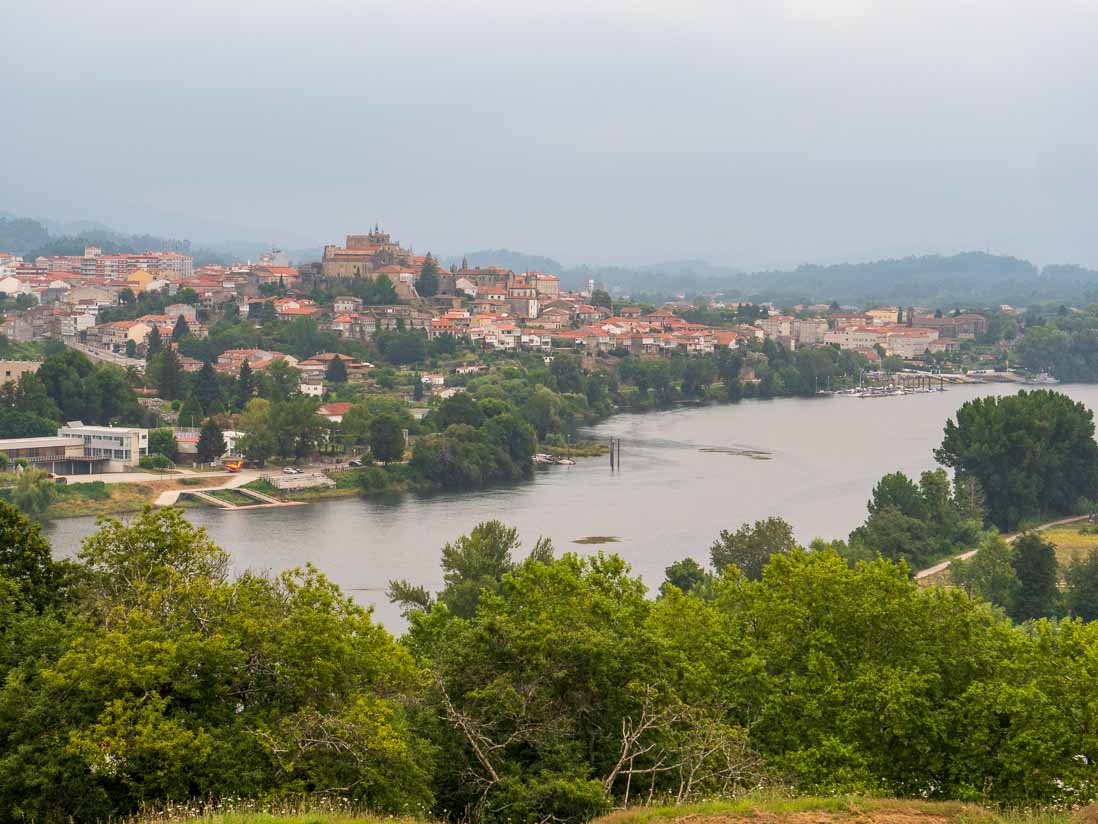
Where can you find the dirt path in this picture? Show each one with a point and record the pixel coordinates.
(942, 566)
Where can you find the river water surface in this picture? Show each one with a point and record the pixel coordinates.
(682, 480)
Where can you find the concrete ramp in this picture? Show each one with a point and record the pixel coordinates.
(202, 495)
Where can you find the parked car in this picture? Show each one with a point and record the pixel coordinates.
(356, 462)
(291, 470)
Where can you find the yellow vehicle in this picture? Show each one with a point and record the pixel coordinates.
(234, 465)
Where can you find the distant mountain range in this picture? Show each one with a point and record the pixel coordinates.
(31, 237)
(964, 279)
(967, 278)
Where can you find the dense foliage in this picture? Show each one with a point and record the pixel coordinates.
(529, 688)
(67, 387)
(1063, 344)
(1032, 454)
(154, 675)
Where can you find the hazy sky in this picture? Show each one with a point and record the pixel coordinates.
(749, 133)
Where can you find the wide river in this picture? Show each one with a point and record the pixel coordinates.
(669, 499)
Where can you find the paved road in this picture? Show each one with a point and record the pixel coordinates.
(964, 556)
(109, 357)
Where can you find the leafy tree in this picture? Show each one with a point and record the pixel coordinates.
(1032, 453)
(33, 492)
(1035, 565)
(174, 679)
(25, 559)
(600, 297)
(458, 409)
(427, 283)
(15, 424)
(401, 348)
(567, 373)
(697, 375)
(989, 574)
(896, 537)
(460, 458)
(897, 491)
(29, 394)
(303, 338)
(750, 547)
(378, 291)
(295, 427)
(181, 329)
(417, 387)
(471, 564)
(1082, 587)
(163, 442)
(543, 410)
(336, 372)
(281, 381)
(386, 438)
(513, 434)
(191, 413)
(131, 349)
(687, 576)
(211, 442)
(258, 443)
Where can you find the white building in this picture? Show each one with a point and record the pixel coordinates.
(121, 446)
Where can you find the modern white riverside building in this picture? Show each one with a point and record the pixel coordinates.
(61, 455)
(121, 446)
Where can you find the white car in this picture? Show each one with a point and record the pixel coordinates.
(291, 470)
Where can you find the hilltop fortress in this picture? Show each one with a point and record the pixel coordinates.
(368, 256)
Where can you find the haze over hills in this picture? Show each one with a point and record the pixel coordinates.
(962, 278)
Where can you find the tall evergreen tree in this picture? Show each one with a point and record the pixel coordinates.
(181, 329)
(427, 285)
(245, 385)
(207, 388)
(153, 345)
(1035, 564)
(169, 374)
(211, 442)
(336, 371)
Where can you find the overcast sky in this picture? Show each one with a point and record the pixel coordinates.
(748, 133)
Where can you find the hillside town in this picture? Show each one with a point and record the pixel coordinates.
(69, 298)
(374, 319)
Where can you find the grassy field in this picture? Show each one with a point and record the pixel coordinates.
(834, 810)
(582, 449)
(234, 497)
(77, 500)
(320, 816)
(761, 809)
(97, 498)
(1071, 544)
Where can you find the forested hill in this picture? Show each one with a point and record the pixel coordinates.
(30, 238)
(935, 280)
(515, 261)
